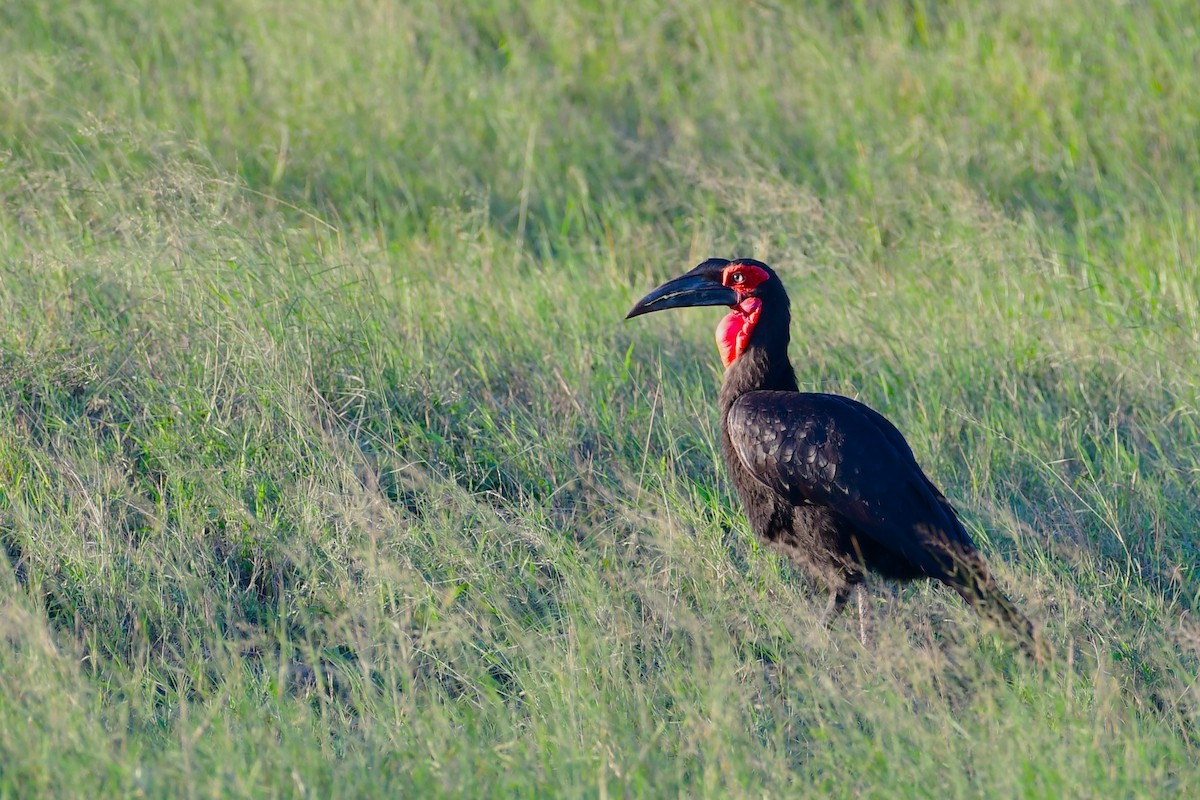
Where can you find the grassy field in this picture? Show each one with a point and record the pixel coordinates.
(328, 466)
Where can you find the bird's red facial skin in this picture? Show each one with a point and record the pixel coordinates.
(743, 278)
(733, 333)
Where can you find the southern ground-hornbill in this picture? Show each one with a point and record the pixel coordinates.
(824, 478)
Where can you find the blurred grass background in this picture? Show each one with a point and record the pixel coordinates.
(328, 467)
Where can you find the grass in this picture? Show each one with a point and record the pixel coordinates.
(328, 467)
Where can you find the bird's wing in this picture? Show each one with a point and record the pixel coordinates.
(897, 441)
(834, 452)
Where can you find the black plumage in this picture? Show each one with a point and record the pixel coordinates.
(823, 478)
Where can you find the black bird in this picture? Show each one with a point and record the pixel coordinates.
(823, 478)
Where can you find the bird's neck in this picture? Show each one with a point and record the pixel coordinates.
(763, 365)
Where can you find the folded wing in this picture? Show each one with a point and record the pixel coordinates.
(834, 452)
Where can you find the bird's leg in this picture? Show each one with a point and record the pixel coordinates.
(860, 593)
(838, 595)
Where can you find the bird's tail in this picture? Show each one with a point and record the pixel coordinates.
(997, 605)
(980, 590)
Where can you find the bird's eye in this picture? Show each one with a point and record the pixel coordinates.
(737, 277)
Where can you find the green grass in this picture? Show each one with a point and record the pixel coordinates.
(329, 468)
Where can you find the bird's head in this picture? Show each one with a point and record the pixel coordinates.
(749, 287)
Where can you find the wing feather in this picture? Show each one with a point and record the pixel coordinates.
(835, 452)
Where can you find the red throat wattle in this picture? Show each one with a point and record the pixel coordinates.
(733, 333)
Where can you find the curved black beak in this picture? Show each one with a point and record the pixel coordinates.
(686, 290)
